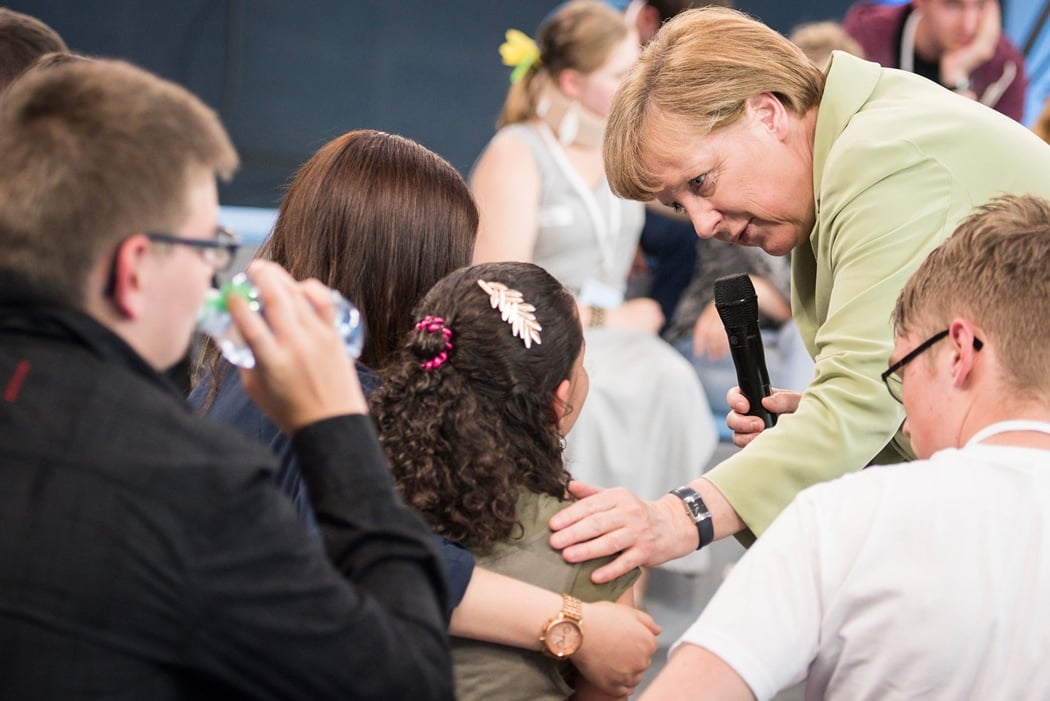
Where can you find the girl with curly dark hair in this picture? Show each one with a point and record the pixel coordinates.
(472, 414)
(381, 218)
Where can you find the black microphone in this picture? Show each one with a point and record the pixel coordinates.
(737, 304)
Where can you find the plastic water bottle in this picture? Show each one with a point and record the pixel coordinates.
(214, 319)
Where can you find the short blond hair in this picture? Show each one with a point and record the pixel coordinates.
(93, 152)
(993, 271)
(699, 70)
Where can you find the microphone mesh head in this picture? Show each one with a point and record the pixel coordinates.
(735, 300)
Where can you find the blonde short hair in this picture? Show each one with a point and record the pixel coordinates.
(993, 271)
(699, 70)
(95, 151)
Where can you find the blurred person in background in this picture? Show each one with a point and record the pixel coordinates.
(957, 43)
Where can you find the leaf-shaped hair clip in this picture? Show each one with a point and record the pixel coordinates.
(514, 310)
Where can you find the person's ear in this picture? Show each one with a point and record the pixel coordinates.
(769, 113)
(126, 284)
(570, 82)
(965, 345)
(647, 22)
(561, 399)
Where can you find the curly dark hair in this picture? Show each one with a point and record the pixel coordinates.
(465, 438)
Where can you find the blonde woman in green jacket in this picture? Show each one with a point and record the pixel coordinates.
(858, 172)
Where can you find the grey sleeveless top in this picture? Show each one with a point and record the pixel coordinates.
(583, 233)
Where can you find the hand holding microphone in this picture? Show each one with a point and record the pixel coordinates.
(737, 305)
(746, 428)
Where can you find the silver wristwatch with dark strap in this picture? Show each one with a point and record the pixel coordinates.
(698, 511)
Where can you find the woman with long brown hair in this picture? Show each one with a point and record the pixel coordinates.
(377, 217)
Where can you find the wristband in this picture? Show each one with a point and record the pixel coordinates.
(698, 511)
(961, 86)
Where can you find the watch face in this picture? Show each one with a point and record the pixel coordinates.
(563, 638)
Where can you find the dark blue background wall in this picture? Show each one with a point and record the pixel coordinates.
(286, 75)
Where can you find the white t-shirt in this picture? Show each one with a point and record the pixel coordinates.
(928, 579)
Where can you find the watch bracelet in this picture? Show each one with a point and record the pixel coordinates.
(572, 607)
(698, 511)
(571, 610)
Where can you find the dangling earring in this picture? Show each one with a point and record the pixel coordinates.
(543, 107)
(570, 124)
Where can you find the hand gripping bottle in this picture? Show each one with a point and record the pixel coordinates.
(214, 319)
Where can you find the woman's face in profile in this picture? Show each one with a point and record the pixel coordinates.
(749, 183)
(598, 87)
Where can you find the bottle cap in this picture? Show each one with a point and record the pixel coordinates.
(240, 285)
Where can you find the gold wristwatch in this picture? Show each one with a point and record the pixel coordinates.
(563, 634)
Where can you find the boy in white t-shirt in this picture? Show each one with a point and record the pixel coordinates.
(925, 579)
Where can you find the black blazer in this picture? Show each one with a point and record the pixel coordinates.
(145, 552)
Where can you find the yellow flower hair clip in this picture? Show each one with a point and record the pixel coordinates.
(520, 51)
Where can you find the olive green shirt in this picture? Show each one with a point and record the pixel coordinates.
(501, 673)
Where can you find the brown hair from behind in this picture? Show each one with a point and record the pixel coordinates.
(378, 217)
(579, 36)
(23, 39)
(95, 151)
(464, 439)
(993, 271)
(699, 71)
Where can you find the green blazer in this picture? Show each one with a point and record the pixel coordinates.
(898, 161)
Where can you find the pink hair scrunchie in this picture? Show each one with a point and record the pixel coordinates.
(435, 324)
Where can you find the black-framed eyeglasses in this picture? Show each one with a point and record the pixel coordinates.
(892, 378)
(218, 252)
